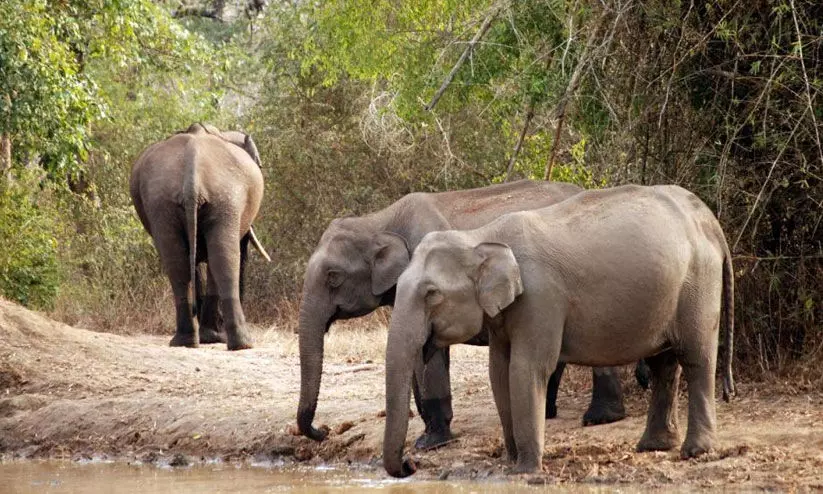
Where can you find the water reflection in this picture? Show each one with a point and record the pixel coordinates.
(119, 478)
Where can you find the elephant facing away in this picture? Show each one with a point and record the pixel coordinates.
(354, 270)
(606, 277)
(196, 194)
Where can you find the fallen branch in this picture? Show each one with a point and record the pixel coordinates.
(356, 368)
(469, 47)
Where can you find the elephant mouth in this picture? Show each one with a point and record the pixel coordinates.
(387, 298)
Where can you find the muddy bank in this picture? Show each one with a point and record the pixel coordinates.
(70, 393)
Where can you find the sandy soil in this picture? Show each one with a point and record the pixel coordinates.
(71, 393)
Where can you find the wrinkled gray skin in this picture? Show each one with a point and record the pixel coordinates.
(202, 187)
(606, 277)
(356, 265)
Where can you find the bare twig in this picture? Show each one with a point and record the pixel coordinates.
(674, 69)
(451, 155)
(516, 151)
(806, 79)
(773, 258)
(765, 182)
(469, 47)
(571, 89)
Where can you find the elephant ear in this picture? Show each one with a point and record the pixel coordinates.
(498, 277)
(248, 145)
(244, 141)
(389, 258)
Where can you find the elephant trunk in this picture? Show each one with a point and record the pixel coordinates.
(407, 334)
(313, 322)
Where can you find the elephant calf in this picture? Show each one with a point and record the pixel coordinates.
(606, 277)
(196, 193)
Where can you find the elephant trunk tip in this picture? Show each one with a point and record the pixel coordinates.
(406, 469)
(304, 425)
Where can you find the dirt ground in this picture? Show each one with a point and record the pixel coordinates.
(71, 393)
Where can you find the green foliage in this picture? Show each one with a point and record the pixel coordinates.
(45, 101)
(29, 229)
(63, 64)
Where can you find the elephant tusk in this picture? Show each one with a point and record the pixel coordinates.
(257, 245)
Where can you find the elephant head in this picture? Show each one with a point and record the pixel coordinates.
(239, 139)
(442, 298)
(352, 272)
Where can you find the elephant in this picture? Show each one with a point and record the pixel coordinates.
(197, 193)
(603, 278)
(354, 270)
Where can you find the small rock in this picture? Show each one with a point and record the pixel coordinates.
(179, 460)
(303, 453)
(444, 474)
(340, 429)
(282, 450)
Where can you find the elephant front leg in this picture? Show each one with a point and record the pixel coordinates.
(607, 397)
(529, 369)
(432, 389)
(499, 352)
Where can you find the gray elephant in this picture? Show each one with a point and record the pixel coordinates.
(196, 193)
(606, 277)
(354, 270)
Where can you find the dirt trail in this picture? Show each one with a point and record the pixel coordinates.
(72, 393)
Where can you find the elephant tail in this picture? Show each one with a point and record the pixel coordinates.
(190, 205)
(728, 322)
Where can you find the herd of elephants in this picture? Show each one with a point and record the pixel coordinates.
(543, 273)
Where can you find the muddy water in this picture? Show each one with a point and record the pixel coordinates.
(119, 478)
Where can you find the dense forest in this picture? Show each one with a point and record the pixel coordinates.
(354, 103)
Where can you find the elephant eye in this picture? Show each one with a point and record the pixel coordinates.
(334, 278)
(434, 297)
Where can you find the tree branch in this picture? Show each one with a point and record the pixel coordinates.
(516, 151)
(469, 47)
(571, 89)
(806, 79)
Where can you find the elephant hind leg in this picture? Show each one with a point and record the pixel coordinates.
(661, 432)
(607, 397)
(223, 244)
(699, 366)
(174, 254)
(210, 324)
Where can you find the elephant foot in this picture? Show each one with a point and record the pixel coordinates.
(526, 467)
(664, 441)
(599, 413)
(693, 449)
(187, 340)
(210, 335)
(433, 440)
(239, 341)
